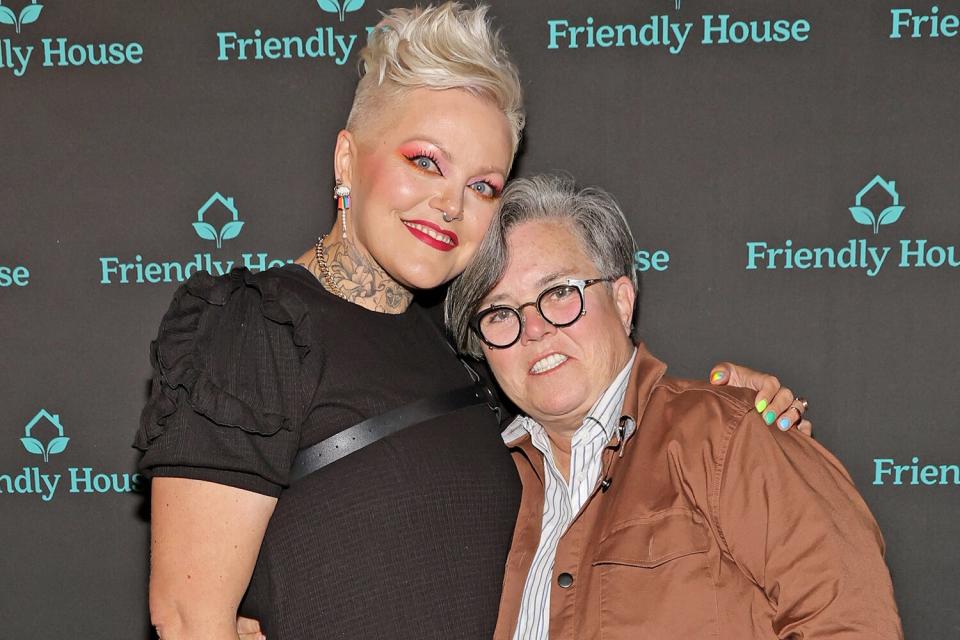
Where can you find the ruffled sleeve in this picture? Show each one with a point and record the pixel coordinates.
(226, 398)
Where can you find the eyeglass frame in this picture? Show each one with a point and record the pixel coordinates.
(580, 285)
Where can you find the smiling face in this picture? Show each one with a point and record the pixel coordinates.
(437, 152)
(556, 375)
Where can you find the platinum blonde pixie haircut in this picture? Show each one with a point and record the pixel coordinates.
(593, 216)
(443, 47)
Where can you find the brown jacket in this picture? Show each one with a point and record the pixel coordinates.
(714, 526)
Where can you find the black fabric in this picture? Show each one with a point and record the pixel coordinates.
(404, 539)
(378, 427)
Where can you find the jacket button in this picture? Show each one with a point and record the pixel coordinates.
(565, 580)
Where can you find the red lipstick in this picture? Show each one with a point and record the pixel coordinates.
(446, 242)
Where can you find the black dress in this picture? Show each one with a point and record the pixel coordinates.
(406, 538)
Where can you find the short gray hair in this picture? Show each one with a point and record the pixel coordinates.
(450, 46)
(594, 217)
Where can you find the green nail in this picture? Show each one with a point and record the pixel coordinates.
(761, 405)
(769, 416)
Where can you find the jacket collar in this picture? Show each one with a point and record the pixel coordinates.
(647, 372)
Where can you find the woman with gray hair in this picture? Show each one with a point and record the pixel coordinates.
(653, 507)
(593, 215)
(263, 382)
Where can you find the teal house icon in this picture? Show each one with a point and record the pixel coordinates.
(229, 231)
(35, 446)
(28, 14)
(889, 215)
(340, 7)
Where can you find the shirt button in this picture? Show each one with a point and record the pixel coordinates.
(565, 580)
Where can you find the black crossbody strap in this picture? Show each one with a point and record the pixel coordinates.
(372, 429)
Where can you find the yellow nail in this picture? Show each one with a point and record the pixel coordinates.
(761, 405)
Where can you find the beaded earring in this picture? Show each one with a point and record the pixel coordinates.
(341, 193)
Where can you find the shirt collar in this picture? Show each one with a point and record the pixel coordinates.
(604, 414)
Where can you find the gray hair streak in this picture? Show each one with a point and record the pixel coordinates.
(594, 217)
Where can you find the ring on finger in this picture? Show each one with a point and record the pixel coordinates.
(803, 404)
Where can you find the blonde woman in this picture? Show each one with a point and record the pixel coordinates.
(405, 537)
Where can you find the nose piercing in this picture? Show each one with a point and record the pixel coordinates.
(448, 218)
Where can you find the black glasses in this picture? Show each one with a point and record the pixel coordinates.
(561, 305)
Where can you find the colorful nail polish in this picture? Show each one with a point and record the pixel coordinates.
(769, 416)
(717, 376)
(783, 423)
(761, 405)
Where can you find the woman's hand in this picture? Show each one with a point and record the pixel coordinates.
(249, 629)
(774, 402)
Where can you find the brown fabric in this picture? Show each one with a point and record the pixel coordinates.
(715, 526)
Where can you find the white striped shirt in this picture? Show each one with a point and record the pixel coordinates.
(563, 501)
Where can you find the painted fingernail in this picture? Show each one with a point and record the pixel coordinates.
(769, 416)
(761, 405)
(783, 423)
(717, 376)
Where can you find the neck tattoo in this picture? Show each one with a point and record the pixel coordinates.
(344, 271)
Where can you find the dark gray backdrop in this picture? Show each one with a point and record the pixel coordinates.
(708, 149)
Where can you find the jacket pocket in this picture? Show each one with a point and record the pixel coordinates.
(649, 542)
(655, 578)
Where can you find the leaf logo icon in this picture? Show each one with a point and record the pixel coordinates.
(206, 231)
(32, 445)
(229, 231)
(28, 14)
(57, 445)
(863, 215)
(7, 16)
(340, 7)
(890, 215)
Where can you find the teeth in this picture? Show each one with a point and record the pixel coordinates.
(430, 232)
(550, 362)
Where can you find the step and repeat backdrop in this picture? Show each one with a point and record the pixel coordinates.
(791, 170)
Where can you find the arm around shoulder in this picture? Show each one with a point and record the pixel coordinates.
(793, 521)
(205, 538)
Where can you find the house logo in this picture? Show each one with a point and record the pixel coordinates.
(858, 254)
(138, 269)
(17, 56)
(889, 215)
(342, 7)
(27, 15)
(46, 482)
(36, 446)
(228, 231)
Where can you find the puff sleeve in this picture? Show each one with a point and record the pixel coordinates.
(226, 398)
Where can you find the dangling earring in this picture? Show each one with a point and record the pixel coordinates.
(341, 193)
